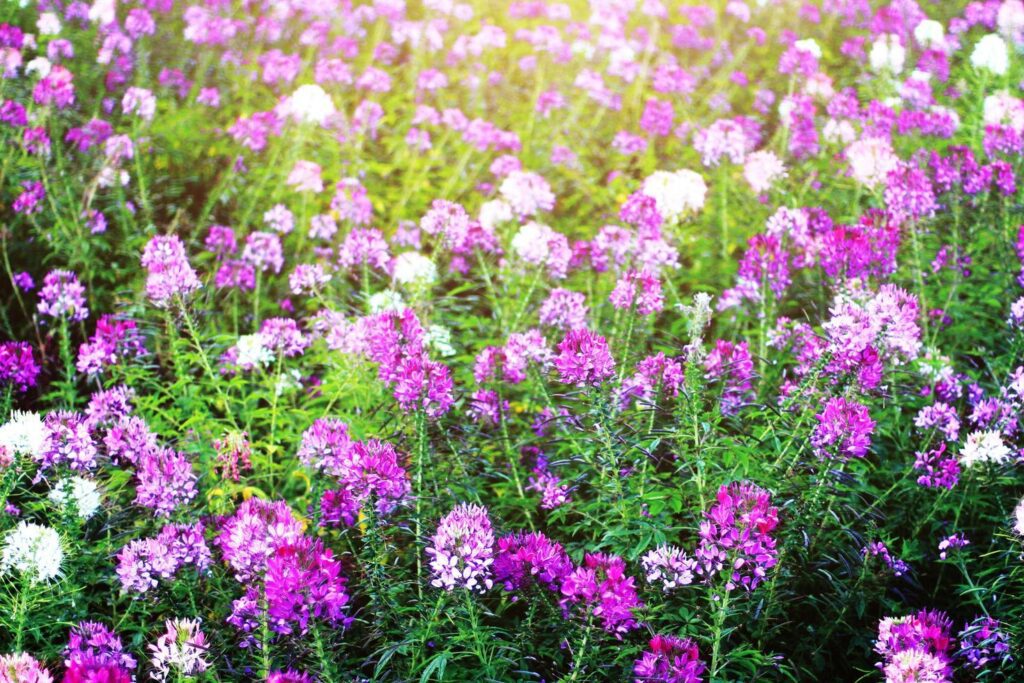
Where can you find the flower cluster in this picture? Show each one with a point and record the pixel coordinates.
(916, 648)
(671, 660)
(601, 588)
(736, 536)
(461, 551)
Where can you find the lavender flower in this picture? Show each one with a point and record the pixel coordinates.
(169, 277)
(669, 566)
(63, 296)
(985, 645)
(462, 550)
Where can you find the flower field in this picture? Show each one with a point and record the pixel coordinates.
(428, 340)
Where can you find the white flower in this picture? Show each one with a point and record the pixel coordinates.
(24, 434)
(527, 193)
(992, 54)
(761, 169)
(288, 381)
(1018, 515)
(83, 491)
(48, 24)
(810, 46)
(1003, 109)
(839, 131)
(387, 300)
(984, 447)
(887, 54)
(494, 212)
(39, 65)
(33, 550)
(413, 268)
(252, 351)
(676, 193)
(533, 242)
(309, 103)
(871, 160)
(181, 649)
(440, 339)
(930, 34)
(103, 12)
(1010, 20)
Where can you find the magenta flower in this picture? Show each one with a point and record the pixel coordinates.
(736, 536)
(304, 583)
(669, 660)
(583, 359)
(602, 588)
(730, 363)
(525, 559)
(18, 368)
(255, 532)
(844, 430)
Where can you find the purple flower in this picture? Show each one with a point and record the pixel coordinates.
(938, 468)
(114, 340)
(731, 364)
(263, 251)
(638, 288)
(304, 582)
(282, 335)
(31, 198)
(736, 536)
(289, 676)
(68, 442)
(169, 274)
(256, 530)
(18, 367)
(984, 644)
(524, 559)
(669, 566)
(602, 588)
(364, 246)
(844, 430)
(564, 309)
(165, 480)
(143, 561)
(108, 407)
(63, 295)
(878, 549)
(583, 358)
(368, 472)
(94, 641)
(462, 550)
(954, 542)
(669, 660)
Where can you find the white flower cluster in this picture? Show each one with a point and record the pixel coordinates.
(24, 434)
(984, 447)
(676, 193)
(32, 550)
(84, 493)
